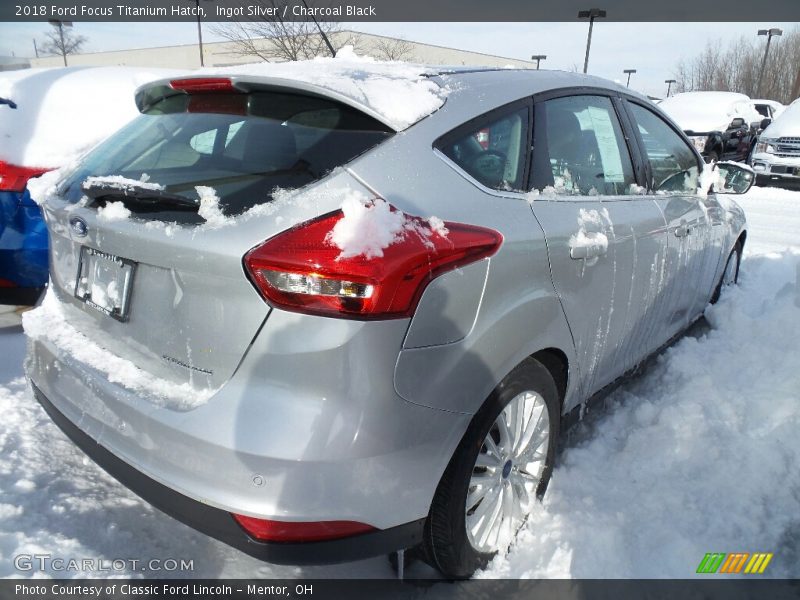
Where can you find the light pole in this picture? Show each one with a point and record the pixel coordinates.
(538, 58)
(591, 14)
(199, 32)
(669, 83)
(769, 33)
(60, 26)
(629, 72)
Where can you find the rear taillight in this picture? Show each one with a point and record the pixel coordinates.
(303, 531)
(14, 178)
(301, 270)
(5, 283)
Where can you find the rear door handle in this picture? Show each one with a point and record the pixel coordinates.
(682, 230)
(587, 251)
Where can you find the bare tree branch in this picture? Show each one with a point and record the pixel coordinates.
(392, 49)
(54, 45)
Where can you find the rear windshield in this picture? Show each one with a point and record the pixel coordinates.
(245, 146)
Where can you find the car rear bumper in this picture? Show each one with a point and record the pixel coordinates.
(306, 436)
(220, 525)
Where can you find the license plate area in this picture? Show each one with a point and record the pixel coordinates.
(104, 282)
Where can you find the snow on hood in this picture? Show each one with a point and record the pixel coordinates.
(786, 125)
(63, 112)
(708, 111)
(397, 92)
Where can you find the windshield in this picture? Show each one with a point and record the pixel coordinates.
(244, 146)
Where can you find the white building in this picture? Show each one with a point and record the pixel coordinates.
(219, 54)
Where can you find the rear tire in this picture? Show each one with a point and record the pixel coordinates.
(730, 276)
(489, 485)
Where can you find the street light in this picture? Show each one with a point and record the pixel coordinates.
(538, 58)
(769, 33)
(60, 26)
(669, 83)
(629, 72)
(199, 32)
(591, 14)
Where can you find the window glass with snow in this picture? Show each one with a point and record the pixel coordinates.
(675, 167)
(494, 152)
(584, 146)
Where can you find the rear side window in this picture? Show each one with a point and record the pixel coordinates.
(585, 150)
(492, 152)
(244, 146)
(674, 165)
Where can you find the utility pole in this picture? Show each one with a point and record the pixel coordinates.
(35, 48)
(591, 14)
(769, 33)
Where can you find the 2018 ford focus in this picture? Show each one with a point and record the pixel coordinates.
(318, 322)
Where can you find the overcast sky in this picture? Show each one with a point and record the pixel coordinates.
(651, 48)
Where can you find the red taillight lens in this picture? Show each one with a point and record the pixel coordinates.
(14, 178)
(286, 531)
(5, 283)
(301, 269)
(203, 85)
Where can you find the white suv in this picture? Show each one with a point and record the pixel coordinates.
(776, 156)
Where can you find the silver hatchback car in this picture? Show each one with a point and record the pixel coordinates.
(316, 334)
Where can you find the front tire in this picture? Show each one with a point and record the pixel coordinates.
(730, 276)
(499, 470)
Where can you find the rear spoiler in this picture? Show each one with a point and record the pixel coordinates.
(154, 92)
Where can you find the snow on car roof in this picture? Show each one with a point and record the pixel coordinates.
(65, 111)
(396, 93)
(708, 111)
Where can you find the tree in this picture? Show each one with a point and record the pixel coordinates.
(735, 68)
(386, 48)
(62, 40)
(270, 38)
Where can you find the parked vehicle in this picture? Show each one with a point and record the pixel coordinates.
(47, 118)
(721, 125)
(321, 328)
(769, 109)
(776, 157)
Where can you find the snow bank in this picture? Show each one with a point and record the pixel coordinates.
(398, 91)
(49, 323)
(64, 112)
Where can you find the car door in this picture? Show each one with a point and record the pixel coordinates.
(606, 242)
(694, 221)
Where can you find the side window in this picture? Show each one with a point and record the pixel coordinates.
(494, 152)
(674, 165)
(584, 147)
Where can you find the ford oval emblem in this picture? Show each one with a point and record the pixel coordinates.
(78, 226)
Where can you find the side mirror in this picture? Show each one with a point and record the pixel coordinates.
(765, 123)
(734, 178)
(736, 123)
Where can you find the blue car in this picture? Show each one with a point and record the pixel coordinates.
(23, 249)
(23, 239)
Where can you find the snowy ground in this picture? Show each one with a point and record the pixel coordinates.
(700, 454)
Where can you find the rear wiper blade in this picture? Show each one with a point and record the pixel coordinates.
(140, 195)
(9, 101)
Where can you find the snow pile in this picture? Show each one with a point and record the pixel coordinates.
(50, 323)
(398, 91)
(209, 207)
(699, 455)
(113, 211)
(369, 227)
(64, 112)
(703, 112)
